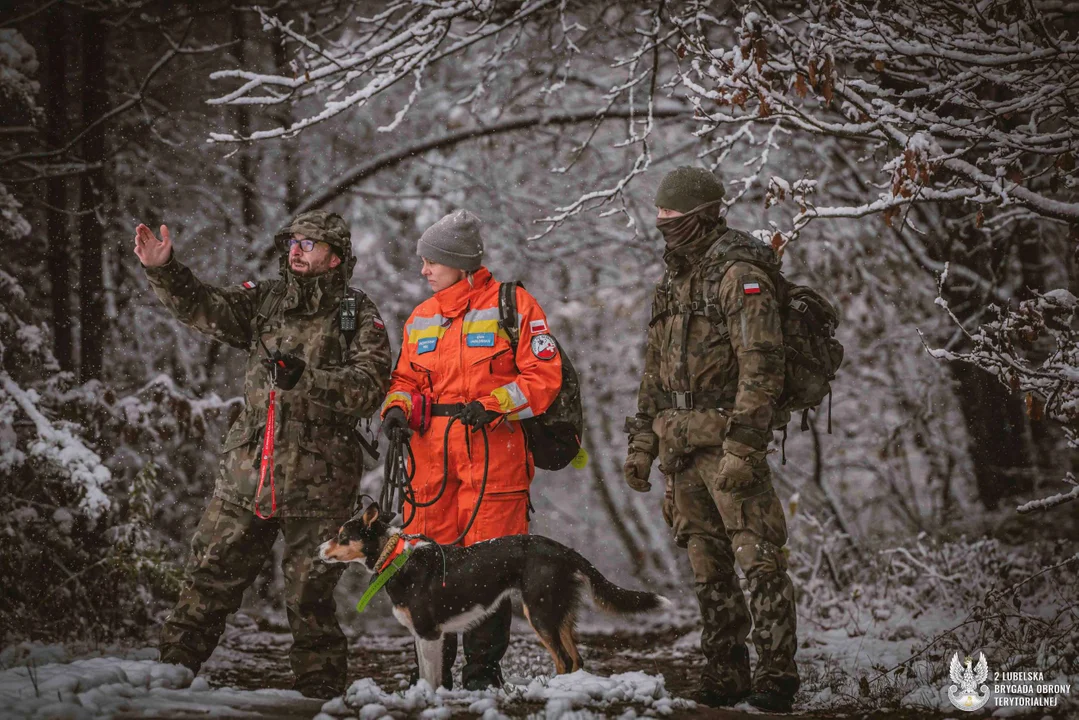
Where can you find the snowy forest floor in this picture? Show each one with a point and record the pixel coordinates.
(641, 669)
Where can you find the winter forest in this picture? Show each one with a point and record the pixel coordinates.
(915, 161)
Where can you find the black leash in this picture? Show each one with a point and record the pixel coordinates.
(397, 477)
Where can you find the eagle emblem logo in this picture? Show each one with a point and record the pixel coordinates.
(965, 693)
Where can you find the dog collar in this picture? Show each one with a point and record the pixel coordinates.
(399, 555)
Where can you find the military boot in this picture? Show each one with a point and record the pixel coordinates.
(771, 697)
(176, 655)
(485, 645)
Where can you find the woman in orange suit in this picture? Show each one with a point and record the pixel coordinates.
(457, 362)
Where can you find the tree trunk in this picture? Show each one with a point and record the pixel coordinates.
(58, 261)
(283, 118)
(92, 329)
(249, 211)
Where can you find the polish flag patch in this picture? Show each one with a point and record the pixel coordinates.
(249, 285)
(751, 288)
(537, 327)
(377, 322)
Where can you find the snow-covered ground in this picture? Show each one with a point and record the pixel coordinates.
(633, 669)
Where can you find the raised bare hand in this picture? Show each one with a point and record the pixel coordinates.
(151, 251)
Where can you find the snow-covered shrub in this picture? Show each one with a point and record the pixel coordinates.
(76, 553)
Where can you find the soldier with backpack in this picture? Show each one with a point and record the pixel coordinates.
(476, 354)
(318, 359)
(712, 392)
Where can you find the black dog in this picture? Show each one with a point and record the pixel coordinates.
(446, 589)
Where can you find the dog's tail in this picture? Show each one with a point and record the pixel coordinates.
(613, 598)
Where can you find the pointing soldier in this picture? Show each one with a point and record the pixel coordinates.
(714, 367)
(291, 465)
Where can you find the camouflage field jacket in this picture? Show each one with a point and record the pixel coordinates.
(318, 460)
(715, 332)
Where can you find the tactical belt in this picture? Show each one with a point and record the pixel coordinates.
(446, 409)
(691, 400)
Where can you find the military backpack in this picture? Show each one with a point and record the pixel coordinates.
(555, 435)
(812, 353)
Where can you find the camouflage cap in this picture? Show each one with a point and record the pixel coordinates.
(688, 187)
(328, 227)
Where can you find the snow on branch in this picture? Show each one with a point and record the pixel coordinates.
(970, 103)
(401, 42)
(63, 449)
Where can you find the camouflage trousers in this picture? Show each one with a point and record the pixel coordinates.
(722, 526)
(228, 550)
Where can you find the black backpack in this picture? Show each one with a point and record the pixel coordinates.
(554, 436)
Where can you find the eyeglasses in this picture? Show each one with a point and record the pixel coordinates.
(305, 244)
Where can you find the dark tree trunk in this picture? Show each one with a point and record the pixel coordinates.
(58, 262)
(997, 426)
(283, 118)
(249, 211)
(92, 329)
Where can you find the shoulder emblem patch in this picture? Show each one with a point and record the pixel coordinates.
(537, 326)
(751, 288)
(249, 285)
(543, 347)
(377, 322)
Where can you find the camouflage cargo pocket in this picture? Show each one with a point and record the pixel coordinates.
(753, 506)
(681, 432)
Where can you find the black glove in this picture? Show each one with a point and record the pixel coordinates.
(285, 370)
(395, 423)
(475, 414)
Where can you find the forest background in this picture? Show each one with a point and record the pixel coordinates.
(916, 163)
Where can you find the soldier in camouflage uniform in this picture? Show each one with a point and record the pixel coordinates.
(713, 372)
(325, 380)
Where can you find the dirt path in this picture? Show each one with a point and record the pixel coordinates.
(251, 658)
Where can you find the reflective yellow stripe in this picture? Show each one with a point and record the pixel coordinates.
(414, 336)
(510, 397)
(394, 397)
(484, 326)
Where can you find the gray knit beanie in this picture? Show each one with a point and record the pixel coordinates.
(454, 240)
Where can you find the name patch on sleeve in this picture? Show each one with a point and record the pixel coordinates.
(751, 288)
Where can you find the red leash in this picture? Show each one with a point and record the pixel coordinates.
(267, 460)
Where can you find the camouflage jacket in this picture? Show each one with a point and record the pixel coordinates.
(317, 458)
(715, 332)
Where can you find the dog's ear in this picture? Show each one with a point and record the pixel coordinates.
(370, 514)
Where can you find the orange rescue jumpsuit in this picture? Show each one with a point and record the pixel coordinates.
(454, 352)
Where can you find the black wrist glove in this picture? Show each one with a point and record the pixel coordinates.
(475, 414)
(395, 423)
(285, 370)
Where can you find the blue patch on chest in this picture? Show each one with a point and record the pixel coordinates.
(426, 345)
(486, 339)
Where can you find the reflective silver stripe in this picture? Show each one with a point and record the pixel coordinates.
(515, 395)
(422, 323)
(477, 315)
(522, 415)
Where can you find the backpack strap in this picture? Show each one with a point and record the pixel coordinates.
(508, 320)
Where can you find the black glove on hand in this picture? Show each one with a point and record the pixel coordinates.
(395, 423)
(285, 370)
(475, 414)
